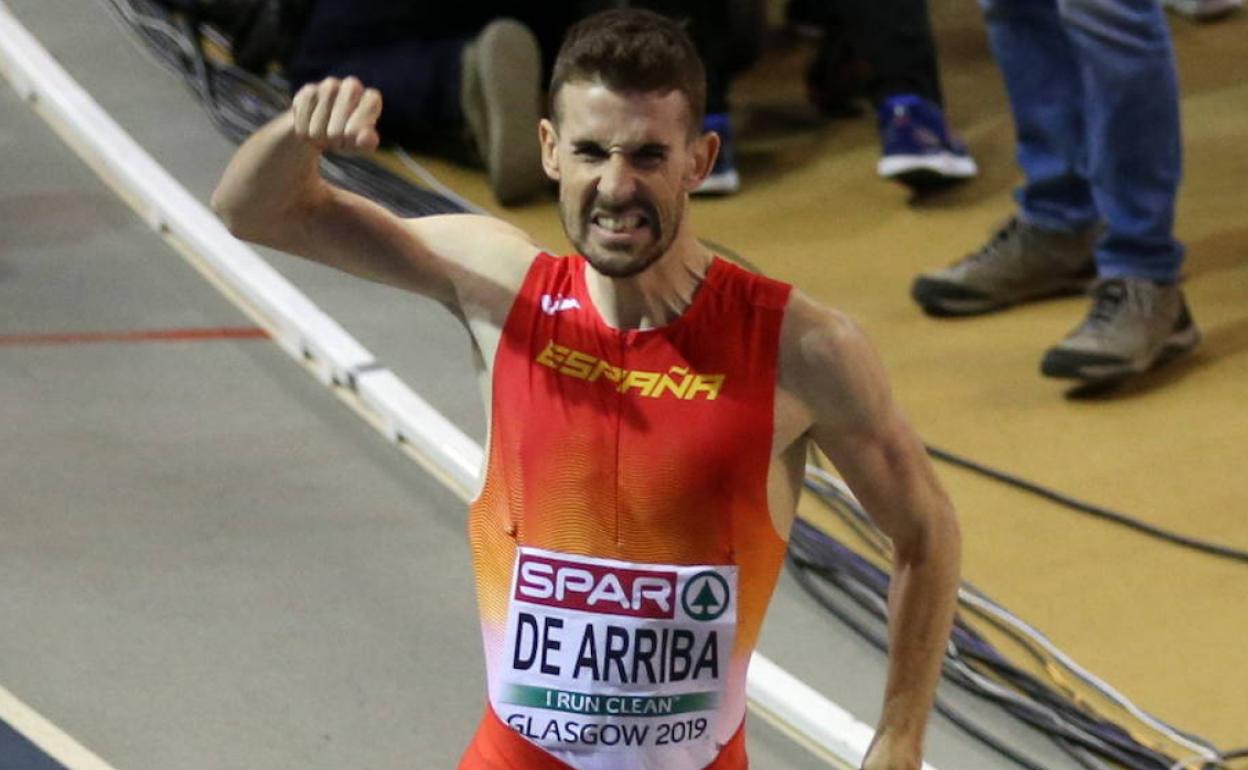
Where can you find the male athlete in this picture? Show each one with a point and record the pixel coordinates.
(650, 409)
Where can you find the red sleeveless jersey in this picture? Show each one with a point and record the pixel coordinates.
(622, 543)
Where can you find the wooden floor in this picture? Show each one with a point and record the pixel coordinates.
(1165, 625)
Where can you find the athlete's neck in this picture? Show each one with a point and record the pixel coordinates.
(659, 294)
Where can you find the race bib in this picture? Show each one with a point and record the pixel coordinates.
(605, 656)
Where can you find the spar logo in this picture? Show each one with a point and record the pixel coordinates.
(573, 585)
(705, 596)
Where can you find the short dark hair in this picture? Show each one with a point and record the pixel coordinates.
(629, 49)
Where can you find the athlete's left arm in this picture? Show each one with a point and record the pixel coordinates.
(840, 380)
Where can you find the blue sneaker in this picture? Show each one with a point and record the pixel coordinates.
(919, 149)
(723, 179)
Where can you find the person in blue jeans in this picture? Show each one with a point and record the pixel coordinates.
(1094, 92)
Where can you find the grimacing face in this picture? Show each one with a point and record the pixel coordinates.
(625, 163)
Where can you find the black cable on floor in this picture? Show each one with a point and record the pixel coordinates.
(1204, 546)
(845, 569)
(1116, 747)
(800, 573)
(821, 563)
(1126, 755)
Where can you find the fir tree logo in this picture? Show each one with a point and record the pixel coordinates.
(705, 596)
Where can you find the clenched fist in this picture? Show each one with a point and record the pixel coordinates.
(338, 115)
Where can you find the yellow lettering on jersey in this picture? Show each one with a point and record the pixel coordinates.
(668, 384)
(578, 365)
(613, 373)
(643, 381)
(552, 355)
(709, 384)
(677, 381)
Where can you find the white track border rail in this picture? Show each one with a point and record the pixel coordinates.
(339, 361)
(52, 740)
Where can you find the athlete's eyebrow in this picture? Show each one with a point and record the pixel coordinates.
(588, 145)
(648, 148)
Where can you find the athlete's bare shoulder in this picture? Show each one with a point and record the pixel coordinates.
(483, 260)
(486, 246)
(830, 369)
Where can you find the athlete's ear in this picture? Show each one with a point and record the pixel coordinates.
(703, 151)
(550, 148)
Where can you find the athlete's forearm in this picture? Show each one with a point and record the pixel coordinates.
(268, 179)
(922, 601)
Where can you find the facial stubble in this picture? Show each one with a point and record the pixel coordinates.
(577, 226)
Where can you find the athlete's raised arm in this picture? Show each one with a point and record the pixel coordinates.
(838, 377)
(272, 193)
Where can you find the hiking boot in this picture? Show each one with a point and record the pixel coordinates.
(1134, 325)
(919, 149)
(501, 93)
(723, 179)
(1021, 262)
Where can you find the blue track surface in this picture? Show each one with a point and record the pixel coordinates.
(17, 753)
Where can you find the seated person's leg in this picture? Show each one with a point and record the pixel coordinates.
(439, 92)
